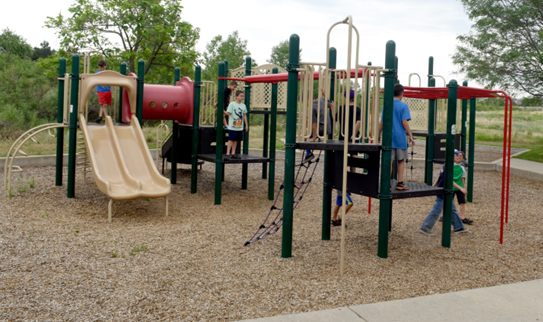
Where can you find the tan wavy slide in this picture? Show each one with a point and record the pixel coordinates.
(120, 159)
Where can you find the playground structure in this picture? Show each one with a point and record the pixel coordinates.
(375, 179)
(192, 123)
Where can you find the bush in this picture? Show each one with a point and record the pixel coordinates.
(28, 97)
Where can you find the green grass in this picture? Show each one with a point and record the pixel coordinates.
(527, 132)
(536, 154)
(137, 249)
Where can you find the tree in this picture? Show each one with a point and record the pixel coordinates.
(505, 47)
(279, 55)
(42, 52)
(532, 101)
(13, 44)
(151, 30)
(232, 49)
(27, 96)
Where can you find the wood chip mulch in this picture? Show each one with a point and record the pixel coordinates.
(61, 260)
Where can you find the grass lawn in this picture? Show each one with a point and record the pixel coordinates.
(536, 154)
(527, 133)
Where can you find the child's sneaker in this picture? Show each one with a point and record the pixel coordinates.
(99, 120)
(427, 232)
(401, 186)
(309, 158)
(467, 221)
(461, 230)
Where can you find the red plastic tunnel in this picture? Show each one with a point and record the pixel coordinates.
(165, 102)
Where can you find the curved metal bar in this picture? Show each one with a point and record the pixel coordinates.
(19, 142)
(409, 81)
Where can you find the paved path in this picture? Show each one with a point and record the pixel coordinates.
(505, 303)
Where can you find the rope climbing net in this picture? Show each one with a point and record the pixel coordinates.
(270, 227)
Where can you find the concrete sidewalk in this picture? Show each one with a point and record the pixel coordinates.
(513, 302)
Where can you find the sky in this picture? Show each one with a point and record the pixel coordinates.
(420, 28)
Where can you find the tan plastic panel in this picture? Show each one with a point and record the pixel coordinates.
(139, 161)
(122, 165)
(108, 78)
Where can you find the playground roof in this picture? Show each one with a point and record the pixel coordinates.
(464, 92)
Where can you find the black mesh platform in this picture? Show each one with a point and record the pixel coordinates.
(415, 190)
(242, 158)
(267, 112)
(337, 145)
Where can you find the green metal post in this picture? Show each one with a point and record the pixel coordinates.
(290, 145)
(385, 195)
(430, 139)
(396, 81)
(72, 148)
(273, 134)
(471, 147)
(265, 142)
(244, 167)
(219, 146)
(226, 71)
(196, 129)
(139, 98)
(449, 163)
(123, 72)
(328, 171)
(60, 119)
(175, 136)
(464, 121)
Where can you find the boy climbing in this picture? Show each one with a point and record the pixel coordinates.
(104, 94)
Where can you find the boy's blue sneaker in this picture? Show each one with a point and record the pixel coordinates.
(461, 230)
(427, 232)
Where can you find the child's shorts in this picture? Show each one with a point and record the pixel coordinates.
(339, 200)
(460, 197)
(235, 135)
(104, 98)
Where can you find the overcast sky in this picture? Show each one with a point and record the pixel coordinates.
(420, 28)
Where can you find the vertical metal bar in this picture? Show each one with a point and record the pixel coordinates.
(449, 163)
(471, 147)
(244, 167)
(123, 72)
(73, 126)
(385, 195)
(429, 164)
(265, 141)
(139, 100)
(464, 121)
(60, 119)
(175, 136)
(219, 146)
(368, 100)
(273, 134)
(290, 145)
(328, 171)
(195, 129)
(226, 108)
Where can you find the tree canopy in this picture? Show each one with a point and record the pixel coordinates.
(232, 49)
(279, 54)
(42, 52)
(151, 30)
(13, 44)
(505, 46)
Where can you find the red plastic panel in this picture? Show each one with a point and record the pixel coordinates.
(164, 102)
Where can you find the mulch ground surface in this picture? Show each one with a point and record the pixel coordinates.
(61, 260)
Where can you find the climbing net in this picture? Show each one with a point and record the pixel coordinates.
(270, 227)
